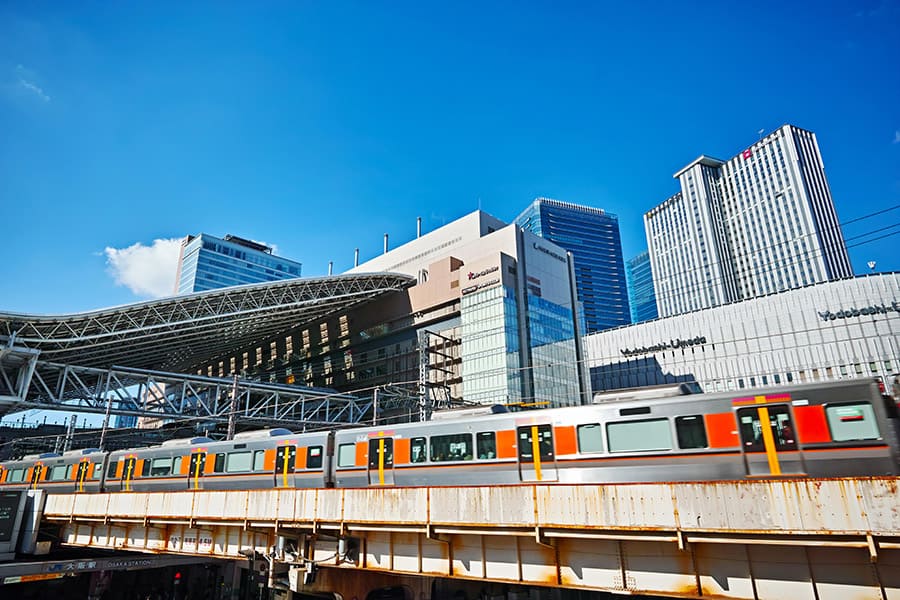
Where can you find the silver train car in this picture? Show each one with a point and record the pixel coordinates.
(817, 430)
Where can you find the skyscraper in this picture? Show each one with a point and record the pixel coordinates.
(207, 262)
(761, 222)
(592, 236)
(641, 296)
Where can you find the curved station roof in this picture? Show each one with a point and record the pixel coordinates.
(182, 332)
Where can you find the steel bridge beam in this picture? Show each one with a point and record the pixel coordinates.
(31, 384)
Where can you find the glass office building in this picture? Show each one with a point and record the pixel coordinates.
(641, 295)
(207, 263)
(519, 343)
(758, 223)
(501, 304)
(592, 236)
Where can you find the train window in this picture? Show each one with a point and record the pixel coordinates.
(145, 468)
(238, 462)
(176, 465)
(691, 432)
(852, 421)
(16, 476)
(259, 460)
(590, 438)
(111, 470)
(417, 451)
(57, 473)
(451, 447)
(219, 464)
(347, 455)
(161, 466)
(779, 424)
(98, 469)
(486, 444)
(314, 457)
(639, 436)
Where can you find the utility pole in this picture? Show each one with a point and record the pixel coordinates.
(234, 408)
(70, 433)
(105, 422)
(375, 407)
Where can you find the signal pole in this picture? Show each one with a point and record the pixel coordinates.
(234, 406)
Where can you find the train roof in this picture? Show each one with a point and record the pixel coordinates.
(81, 452)
(543, 414)
(187, 441)
(262, 433)
(42, 455)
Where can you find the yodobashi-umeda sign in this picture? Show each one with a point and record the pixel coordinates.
(670, 345)
(875, 309)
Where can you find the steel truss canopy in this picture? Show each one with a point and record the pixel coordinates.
(181, 333)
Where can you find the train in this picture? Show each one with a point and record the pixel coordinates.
(834, 429)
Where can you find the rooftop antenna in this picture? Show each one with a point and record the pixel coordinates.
(760, 132)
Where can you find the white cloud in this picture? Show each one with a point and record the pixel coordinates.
(274, 247)
(25, 85)
(34, 88)
(897, 137)
(145, 270)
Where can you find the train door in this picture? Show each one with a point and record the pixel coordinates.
(36, 475)
(381, 461)
(285, 461)
(81, 475)
(195, 470)
(537, 461)
(768, 441)
(129, 470)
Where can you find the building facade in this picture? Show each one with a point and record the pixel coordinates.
(641, 295)
(761, 222)
(207, 263)
(825, 331)
(491, 319)
(592, 236)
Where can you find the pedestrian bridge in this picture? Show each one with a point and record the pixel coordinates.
(794, 538)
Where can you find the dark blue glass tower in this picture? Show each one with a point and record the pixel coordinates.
(641, 293)
(592, 236)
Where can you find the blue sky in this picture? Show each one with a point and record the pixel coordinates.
(320, 126)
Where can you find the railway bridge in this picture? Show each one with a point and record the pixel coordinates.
(780, 538)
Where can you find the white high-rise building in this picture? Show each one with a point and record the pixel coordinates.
(762, 222)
